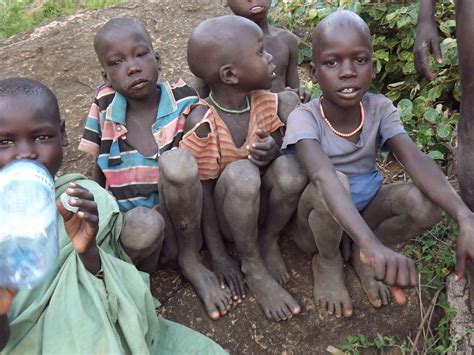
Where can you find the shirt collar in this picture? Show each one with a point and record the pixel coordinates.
(117, 110)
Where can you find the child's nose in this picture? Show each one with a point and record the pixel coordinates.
(133, 67)
(26, 151)
(347, 69)
(269, 57)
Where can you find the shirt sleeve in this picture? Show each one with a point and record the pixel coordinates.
(301, 125)
(91, 137)
(390, 125)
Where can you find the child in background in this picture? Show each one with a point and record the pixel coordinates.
(235, 137)
(336, 138)
(132, 128)
(94, 302)
(280, 43)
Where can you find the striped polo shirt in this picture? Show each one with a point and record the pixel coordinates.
(129, 175)
(217, 150)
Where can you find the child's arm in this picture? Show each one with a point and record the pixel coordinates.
(427, 39)
(97, 175)
(6, 297)
(392, 268)
(292, 78)
(226, 269)
(428, 177)
(82, 226)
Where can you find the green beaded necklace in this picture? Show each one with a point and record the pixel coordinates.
(245, 109)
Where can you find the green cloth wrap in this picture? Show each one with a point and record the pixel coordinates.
(76, 313)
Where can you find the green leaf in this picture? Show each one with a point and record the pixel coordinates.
(382, 54)
(436, 155)
(435, 93)
(443, 131)
(430, 115)
(405, 109)
(406, 56)
(407, 42)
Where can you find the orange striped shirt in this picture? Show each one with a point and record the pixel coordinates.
(214, 152)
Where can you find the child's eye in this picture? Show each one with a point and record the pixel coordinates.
(42, 137)
(114, 62)
(142, 54)
(330, 63)
(5, 143)
(362, 60)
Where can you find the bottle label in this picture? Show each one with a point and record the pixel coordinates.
(26, 173)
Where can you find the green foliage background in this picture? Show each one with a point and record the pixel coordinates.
(429, 110)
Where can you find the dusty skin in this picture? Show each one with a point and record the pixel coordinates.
(60, 54)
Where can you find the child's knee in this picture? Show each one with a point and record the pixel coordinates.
(178, 166)
(143, 229)
(242, 178)
(289, 176)
(420, 208)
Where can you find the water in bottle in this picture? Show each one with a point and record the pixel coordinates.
(28, 228)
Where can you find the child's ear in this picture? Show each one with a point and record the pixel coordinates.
(312, 73)
(228, 75)
(374, 69)
(62, 127)
(104, 77)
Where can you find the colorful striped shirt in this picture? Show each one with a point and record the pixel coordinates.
(129, 175)
(214, 152)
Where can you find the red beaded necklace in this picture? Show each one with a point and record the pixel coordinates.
(345, 135)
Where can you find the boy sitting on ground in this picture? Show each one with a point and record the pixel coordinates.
(93, 302)
(132, 127)
(280, 43)
(336, 138)
(235, 137)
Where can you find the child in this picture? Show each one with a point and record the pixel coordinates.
(235, 137)
(94, 303)
(131, 128)
(427, 40)
(281, 44)
(336, 138)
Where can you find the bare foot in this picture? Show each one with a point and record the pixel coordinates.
(330, 290)
(276, 302)
(217, 300)
(377, 293)
(274, 262)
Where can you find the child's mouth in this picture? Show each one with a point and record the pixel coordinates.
(257, 9)
(349, 93)
(138, 84)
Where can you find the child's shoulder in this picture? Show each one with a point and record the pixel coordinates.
(181, 90)
(378, 102)
(285, 35)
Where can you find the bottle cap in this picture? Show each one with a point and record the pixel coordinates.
(65, 201)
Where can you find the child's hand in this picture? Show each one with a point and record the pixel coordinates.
(81, 226)
(391, 268)
(464, 246)
(228, 273)
(303, 95)
(6, 298)
(263, 150)
(427, 41)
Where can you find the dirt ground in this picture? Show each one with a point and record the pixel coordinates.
(60, 54)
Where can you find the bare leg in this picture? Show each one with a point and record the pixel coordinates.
(398, 213)
(237, 199)
(181, 193)
(282, 186)
(316, 229)
(465, 158)
(142, 237)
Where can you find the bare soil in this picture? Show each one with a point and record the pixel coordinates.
(60, 54)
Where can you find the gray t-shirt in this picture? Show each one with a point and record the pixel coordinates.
(357, 161)
(382, 122)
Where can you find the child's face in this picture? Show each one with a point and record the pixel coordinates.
(255, 68)
(343, 66)
(129, 63)
(30, 129)
(254, 10)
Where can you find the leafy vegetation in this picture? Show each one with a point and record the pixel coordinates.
(22, 15)
(428, 109)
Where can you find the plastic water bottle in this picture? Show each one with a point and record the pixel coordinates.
(28, 228)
